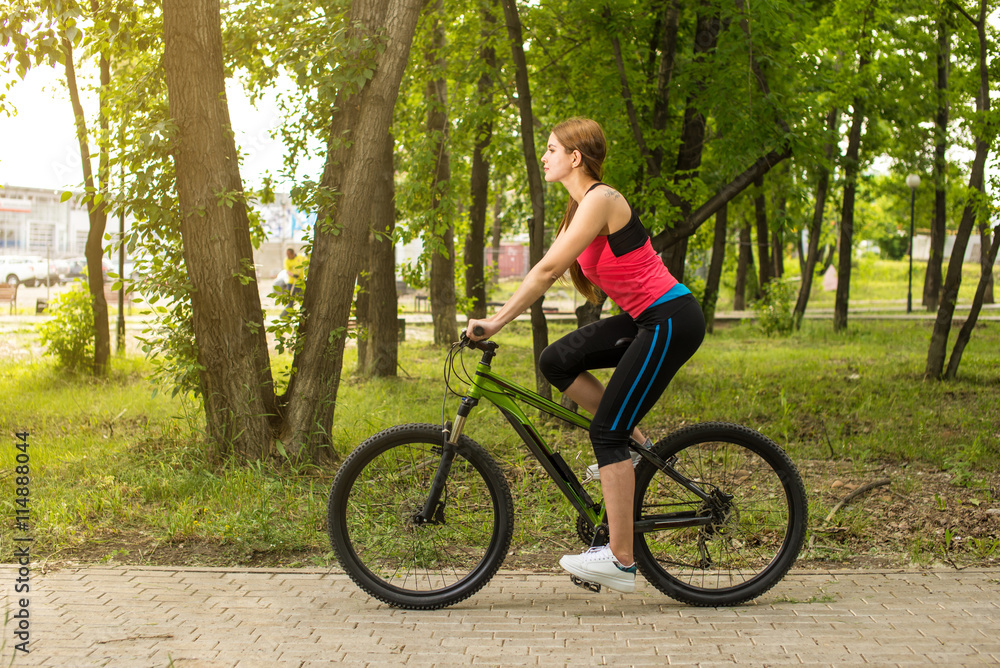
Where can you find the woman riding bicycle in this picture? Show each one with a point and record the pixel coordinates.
(602, 243)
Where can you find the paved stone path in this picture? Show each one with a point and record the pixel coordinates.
(130, 616)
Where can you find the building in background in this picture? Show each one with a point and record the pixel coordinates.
(34, 222)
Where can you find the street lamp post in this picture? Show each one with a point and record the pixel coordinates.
(913, 181)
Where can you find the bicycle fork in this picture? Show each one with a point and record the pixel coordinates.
(433, 510)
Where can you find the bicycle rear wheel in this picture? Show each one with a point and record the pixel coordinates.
(371, 518)
(758, 509)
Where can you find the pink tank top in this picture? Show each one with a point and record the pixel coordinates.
(624, 265)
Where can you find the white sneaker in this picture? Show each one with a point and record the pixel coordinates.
(594, 473)
(598, 565)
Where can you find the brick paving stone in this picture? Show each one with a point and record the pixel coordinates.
(130, 616)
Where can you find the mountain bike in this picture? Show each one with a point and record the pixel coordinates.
(420, 516)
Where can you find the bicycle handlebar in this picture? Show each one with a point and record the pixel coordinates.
(485, 345)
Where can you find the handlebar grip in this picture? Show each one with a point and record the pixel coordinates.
(478, 331)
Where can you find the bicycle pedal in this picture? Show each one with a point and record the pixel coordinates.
(583, 584)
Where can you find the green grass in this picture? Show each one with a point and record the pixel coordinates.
(873, 280)
(120, 473)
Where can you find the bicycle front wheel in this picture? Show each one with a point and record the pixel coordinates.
(393, 555)
(758, 510)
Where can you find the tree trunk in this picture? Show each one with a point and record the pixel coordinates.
(475, 242)
(96, 211)
(352, 170)
(442, 289)
(382, 349)
(763, 253)
(985, 284)
(986, 265)
(693, 129)
(744, 266)
(665, 74)
(711, 296)
(778, 238)
(828, 254)
(939, 225)
(496, 237)
(536, 224)
(851, 166)
(674, 256)
(953, 279)
(362, 306)
(226, 312)
(816, 227)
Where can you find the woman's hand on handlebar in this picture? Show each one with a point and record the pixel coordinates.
(478, 330)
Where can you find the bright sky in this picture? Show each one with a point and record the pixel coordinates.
(38, 146)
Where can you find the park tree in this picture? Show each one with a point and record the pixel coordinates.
(360, 123)
(479, 179)
(765, 267)
(227, 318)
(64, 35)
(860, 22)
(539, 327)
(441, 212)
(939, 222)
(822, 177)
(358, 99)
(851, 169)
(710, 298)
(744, 265)
(975, 206)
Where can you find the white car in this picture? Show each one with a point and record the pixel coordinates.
(15, 270)
(45, 271)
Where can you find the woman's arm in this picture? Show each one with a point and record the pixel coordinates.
(590, 219)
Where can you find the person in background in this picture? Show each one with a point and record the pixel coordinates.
(292, 277)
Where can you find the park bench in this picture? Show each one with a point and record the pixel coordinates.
(8, 293)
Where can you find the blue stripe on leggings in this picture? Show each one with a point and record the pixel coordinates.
(621, 410)
(670, 331)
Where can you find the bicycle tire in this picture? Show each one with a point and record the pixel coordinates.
(380, 488)
(757, 534)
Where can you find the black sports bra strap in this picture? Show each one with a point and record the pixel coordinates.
(594, 186)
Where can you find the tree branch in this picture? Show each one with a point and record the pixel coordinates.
(855, 494)
(963, 12)
(727, 193)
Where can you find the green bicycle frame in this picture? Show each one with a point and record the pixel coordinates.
(505, 394)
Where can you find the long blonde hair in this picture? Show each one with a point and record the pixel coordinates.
(587, 137)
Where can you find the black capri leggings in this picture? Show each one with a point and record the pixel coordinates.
(655, 346)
